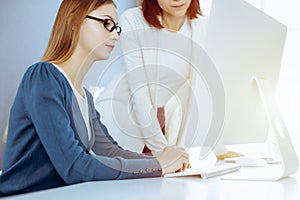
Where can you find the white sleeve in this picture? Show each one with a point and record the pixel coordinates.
(139, 80)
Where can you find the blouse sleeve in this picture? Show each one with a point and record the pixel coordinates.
(139, 78)
(45, 102)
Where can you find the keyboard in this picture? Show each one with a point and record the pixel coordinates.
(270, 172)
(204, 173)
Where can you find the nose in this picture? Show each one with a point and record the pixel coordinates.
(115, 35)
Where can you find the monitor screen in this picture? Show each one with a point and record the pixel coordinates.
(244, 43)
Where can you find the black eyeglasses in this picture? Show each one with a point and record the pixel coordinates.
(109, 24)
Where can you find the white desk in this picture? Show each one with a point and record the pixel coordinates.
(182, 188)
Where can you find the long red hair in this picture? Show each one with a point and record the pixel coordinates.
(151, 11)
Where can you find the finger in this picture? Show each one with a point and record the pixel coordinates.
(185, 166)
(186, 155)
(178, 170)
(182, 157)
(185, 158)
(180, 149)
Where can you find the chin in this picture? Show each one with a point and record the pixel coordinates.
(180, 13)
(103, 56)
(106, 57)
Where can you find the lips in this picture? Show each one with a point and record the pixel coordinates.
(178, 6)
(110, 45)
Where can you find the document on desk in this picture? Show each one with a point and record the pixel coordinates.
(205, 173)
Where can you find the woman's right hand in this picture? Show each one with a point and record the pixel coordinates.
(173, 159)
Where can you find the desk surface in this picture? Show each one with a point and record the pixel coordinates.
(174, 188)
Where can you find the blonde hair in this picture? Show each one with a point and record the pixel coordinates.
(65, 31)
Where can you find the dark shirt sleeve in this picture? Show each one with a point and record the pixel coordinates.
(105, 145)
(45, 102)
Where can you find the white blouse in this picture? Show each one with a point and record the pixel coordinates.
(170, 62)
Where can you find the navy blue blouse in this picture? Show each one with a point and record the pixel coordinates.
(47, 142)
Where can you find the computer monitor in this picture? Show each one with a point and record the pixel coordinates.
(244, 43)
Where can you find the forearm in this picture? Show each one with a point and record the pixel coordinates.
(150, 127)
(134, 168)
(105, 145)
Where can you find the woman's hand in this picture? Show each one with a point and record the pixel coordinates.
(173, 159)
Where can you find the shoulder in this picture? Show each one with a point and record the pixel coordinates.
(133, 18)
(199, 22)
(199, 26)
(135, 12)
(41, 68)
(43, 74)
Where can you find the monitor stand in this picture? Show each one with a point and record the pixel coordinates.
(284, 147)
(285, 150)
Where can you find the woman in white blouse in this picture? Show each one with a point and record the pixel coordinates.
(159, 71)
(161, 50)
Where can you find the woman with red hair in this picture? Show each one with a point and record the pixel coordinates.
(160, 41)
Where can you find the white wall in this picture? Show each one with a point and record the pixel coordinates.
(25, 28)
